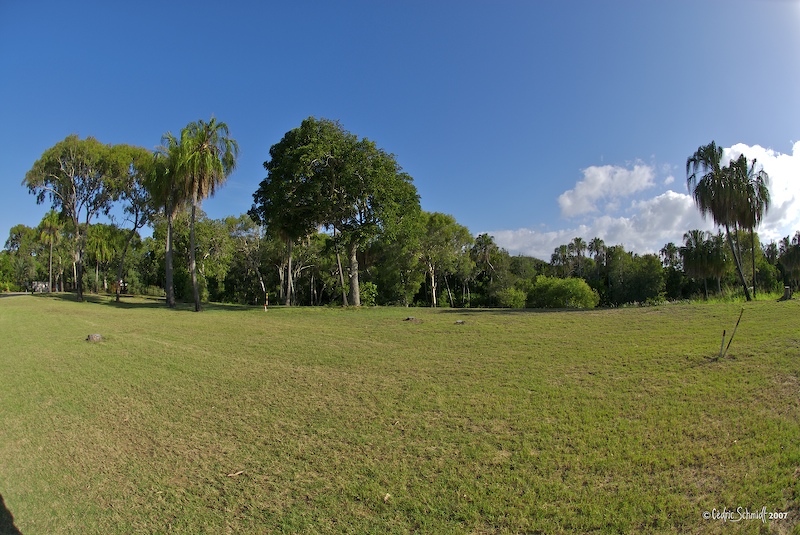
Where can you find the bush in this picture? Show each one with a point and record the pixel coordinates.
(511, 298)
(369, 294)
(552, 292)
(10, 287)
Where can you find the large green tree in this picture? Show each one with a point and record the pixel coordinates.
(22, 244)
(80, 178)
(292, 200)
(138, 205)
(444, 246)
(322, 175)
(204, 158)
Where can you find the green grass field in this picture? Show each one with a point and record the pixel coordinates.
(323, 420)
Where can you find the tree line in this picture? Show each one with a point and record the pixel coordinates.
(337, 221)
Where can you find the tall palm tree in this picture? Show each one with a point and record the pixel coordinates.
(717, 191)
(51, 226)
(579, 246)
(207, 157)
(756, 200)
(164, 188)
(596, 248)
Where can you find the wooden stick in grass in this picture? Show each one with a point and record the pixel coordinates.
(733, 333)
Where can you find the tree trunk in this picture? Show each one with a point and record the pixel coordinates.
(341, 272)
(263, 286)
(355, 294)
(738, 264)
(193, 262)
(449, 293)
(170, 289)
(97, 276)
(120, 269)
(341, 277)
(753, 256)
(50, 282)
(281, 280)
(432, 274)
(289, 275)
(77, 266)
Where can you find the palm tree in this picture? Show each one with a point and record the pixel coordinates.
(720, 192)
(695, 256)
(669, 255)
(597, 248)
(207, 156)
(98, 243)
(162, 184)
(579, 246)
(51, 226)
(756, 201)
(717, 259)
(560, 258)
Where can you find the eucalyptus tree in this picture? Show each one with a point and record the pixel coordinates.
(138, 205)
(248, 242)
(444, 246)
(80, 178)
(205, 157)
(719, 192)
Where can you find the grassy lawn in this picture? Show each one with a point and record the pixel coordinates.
(322, 420)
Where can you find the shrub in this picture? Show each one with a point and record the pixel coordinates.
(552, 292)
(511, 298)
(369, 294)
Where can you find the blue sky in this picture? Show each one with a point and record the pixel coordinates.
(536, 121)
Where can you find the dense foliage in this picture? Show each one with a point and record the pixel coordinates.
(337, 222)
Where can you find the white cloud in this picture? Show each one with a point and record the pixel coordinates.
(669, 180)
(646, 225)
(653, 223)
(783, 217)
(605, 182)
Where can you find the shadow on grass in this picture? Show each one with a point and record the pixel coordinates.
(515, 311)
(141, 302)
(7, 526)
